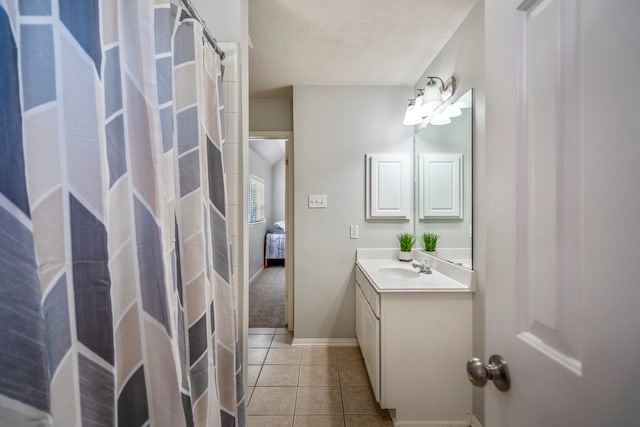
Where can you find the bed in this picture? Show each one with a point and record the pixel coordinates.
(274, 249)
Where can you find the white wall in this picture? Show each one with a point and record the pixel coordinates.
(334, 127)
(261, 169)
(278, 190)
(463, 57)
(270, 114)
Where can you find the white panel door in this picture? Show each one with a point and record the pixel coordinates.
(563, 211)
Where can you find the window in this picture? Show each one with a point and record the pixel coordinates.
(256, 200)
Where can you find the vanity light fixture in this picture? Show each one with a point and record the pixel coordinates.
(452, 111)
(430, 99)
(444, 118)
(440, 119)
(435, 93)
(411, 117)
(419, 100)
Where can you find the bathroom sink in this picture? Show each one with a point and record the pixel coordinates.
(398, 273)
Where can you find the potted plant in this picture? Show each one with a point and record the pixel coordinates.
(407, 240)
(430, 241)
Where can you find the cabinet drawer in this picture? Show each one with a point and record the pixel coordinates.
(370, 294)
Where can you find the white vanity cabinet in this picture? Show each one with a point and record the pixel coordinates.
(415, 344)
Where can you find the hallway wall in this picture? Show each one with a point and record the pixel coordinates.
(270, 114)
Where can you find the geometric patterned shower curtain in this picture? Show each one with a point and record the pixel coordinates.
(116, 300)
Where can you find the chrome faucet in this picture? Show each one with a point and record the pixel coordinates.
(424, 268)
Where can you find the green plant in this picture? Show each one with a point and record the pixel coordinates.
(430, 240)
(407, 240)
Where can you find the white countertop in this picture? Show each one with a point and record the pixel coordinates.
(374, 269)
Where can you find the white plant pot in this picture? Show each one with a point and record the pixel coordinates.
(405, 256)
(433, 253)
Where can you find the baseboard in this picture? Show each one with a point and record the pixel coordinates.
(327, 342)
(475, 422)
(431, 424)
(256, 275)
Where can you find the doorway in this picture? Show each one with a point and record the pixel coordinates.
(270, 230)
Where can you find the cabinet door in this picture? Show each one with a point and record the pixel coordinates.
(388, 192)
(359, 306)
(440, 189)
(371, 349)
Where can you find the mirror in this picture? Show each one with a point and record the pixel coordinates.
(443, 184)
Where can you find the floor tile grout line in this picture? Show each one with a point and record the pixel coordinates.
(258, 377)
(344, 417)
(295, 399)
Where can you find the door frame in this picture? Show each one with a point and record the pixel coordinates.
(289, 217)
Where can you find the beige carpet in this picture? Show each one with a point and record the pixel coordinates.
(266, 299)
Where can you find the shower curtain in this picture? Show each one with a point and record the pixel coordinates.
(117, 304)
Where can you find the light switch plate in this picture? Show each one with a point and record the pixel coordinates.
(354, 231)
(317, 201)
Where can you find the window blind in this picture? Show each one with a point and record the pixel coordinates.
(256, 200)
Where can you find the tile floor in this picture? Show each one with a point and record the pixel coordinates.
(307, 386)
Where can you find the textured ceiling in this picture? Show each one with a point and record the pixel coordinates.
(271, 150)
(345, 42)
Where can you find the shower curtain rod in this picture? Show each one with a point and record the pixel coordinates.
(194, 12)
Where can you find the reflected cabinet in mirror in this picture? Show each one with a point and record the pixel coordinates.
(443, 190)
